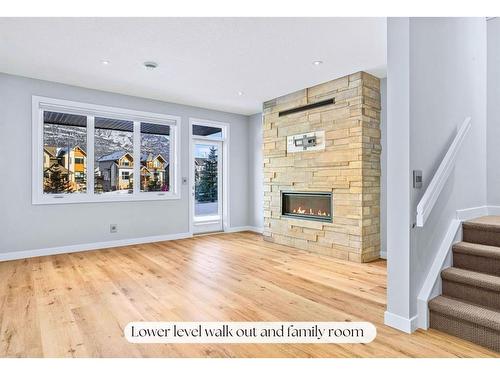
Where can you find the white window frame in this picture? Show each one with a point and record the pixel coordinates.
(41, 104)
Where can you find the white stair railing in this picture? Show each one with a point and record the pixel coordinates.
(438, 181)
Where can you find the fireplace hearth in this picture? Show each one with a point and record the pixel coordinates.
(307, 205)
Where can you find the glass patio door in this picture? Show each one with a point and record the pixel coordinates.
(207, 187)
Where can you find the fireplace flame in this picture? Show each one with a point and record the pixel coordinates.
(303, 211)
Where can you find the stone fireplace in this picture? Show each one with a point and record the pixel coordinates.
(322, 168)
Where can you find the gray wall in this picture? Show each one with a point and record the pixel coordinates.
(493, 114)
(24, 226)
(438, 80)
(383, 166)
(256, 172)
(445, 90)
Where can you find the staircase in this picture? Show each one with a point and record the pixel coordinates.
(469, 306)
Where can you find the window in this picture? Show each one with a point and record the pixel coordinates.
(155, 157)
(90, 153)
(64, 139)
(114, 154)
(80, 177)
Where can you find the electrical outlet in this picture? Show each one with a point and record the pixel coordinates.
(113, 228)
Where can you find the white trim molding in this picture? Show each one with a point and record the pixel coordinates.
(14, 255)
(493, 210)
(244, 229)
(471, 213)
(407, 325)
(439, 179)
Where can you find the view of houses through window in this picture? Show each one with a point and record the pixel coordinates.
(114, 156)
(155, 148)
(65, 155)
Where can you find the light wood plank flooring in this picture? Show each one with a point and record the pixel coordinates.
(76, 305)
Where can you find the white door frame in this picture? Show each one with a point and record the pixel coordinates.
(225, 169)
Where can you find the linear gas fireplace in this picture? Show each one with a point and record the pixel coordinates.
(307, 205)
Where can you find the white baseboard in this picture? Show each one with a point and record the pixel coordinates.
(89, 246)
(494, 210)
(471, 213)
(407, 325)
(244, 229)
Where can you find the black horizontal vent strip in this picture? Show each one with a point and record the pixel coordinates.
(307, 107)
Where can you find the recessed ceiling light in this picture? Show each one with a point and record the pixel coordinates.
(240, 93)
(150, 65)
(104, 62)
(317, 62)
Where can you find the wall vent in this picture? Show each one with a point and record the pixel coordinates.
(307, 107)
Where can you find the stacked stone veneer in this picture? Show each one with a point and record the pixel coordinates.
(349, 166)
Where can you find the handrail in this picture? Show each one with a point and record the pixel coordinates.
(437, 183)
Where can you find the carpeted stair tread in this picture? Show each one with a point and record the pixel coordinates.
(475, 279)
(475, 249)
(466, 311)
(488, 227)
(485, 230)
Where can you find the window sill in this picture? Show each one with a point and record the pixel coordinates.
(97, 198)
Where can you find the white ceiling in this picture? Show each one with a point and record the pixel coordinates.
(202, 61)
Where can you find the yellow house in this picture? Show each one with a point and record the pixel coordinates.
(71, 165)
(154, 173)
(75, 161)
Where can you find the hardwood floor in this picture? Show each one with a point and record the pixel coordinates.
(76, 305)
